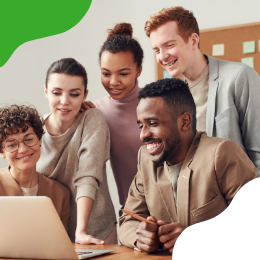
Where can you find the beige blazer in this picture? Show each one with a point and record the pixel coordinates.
(58, 193)
(213, 170)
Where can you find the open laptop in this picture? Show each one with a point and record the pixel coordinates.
(31, 228)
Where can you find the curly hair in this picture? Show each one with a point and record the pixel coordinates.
(68, 66)
(120, 40)
(187, 23)
(15, 119)
(176, 95)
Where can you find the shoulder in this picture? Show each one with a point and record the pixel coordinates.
(3, 170)
(216, 146)
(93, 118)
(230, 68)
(53, 185)
(101, 102)
(3, 173)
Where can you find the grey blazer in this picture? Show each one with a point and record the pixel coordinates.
(233, 107)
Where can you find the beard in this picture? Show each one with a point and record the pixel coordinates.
(173, 141)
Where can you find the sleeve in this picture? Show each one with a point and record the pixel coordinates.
(247, 100)
(92, 154)
(135, 203)
(66, 209)
(233, 168)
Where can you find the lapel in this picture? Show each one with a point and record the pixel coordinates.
(41, 185)
(183, 187)
(165, 187)
(213, 86)
(10, 185)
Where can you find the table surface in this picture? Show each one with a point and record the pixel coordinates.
(121, 252)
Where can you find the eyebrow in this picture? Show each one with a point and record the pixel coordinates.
(119, 70)
(70, 89)
(165, 43)
(147, 118)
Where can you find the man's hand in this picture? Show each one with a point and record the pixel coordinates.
(85, 239)
(168, 233)
(146, 236)
(86, 105)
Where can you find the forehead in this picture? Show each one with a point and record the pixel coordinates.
(165, 33)
(60, 80)
(152, 107)
(117, 61)
(19, 136)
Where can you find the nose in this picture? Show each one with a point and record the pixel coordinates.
(145, 134)
(163, 55)
(114, 80)
(22, 147)
(64, 100)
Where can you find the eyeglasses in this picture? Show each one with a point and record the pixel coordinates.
(12, 145)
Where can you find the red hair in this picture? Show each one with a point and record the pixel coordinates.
(186, 22)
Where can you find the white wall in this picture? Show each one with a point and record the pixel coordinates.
(22, 77)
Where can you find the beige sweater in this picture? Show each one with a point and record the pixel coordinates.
(77, 159)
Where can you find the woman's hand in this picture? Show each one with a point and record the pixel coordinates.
(87, 105)
(85, 239)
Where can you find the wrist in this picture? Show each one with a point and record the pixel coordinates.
(80, 232)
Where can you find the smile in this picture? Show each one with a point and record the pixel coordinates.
(169, 64)
(152, 147)
(63, 110)
(25, 157)
(115, 91)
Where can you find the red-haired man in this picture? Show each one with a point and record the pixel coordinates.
(226, 93)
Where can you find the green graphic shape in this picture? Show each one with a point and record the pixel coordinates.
(26, 20)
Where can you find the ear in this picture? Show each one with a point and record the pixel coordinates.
(85, 95)
(139, 70)
(185, 122)
(40, 142)
(45, 91)
(195, 40)
(2, 155)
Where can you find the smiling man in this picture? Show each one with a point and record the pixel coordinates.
(226, 93)
(184, 176)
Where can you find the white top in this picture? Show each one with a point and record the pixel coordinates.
(30, 191)
(199, 90)
(174, 171)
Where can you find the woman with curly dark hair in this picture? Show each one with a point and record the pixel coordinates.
(21, 130)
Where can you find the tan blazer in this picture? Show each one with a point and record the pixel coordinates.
(213, 170)
(58, 193)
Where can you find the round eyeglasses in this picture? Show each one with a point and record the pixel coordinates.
(12, 145)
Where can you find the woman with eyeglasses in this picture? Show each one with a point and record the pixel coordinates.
(21, 130)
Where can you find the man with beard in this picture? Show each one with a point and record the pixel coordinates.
(184, 176)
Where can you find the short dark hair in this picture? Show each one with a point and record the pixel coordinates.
(176, 95)
(15, 119)
(68, 66)
(120, 40)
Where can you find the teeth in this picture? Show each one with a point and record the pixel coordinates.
(23, 158)
(116, 90)
(152, 146)
(171, 62)
(64, 110)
